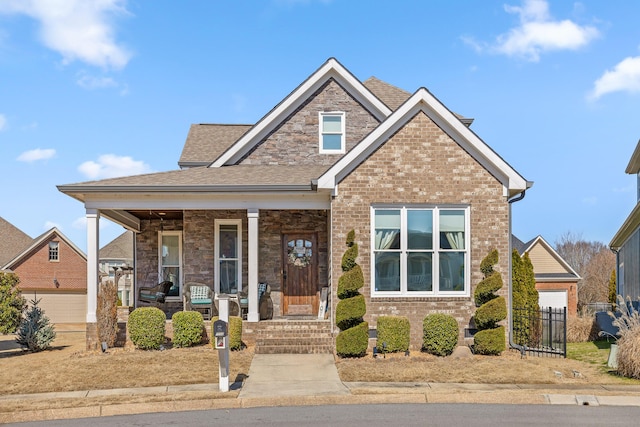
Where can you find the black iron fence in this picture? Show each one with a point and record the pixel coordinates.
(541, 332)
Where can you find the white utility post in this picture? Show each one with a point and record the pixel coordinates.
(223, 353)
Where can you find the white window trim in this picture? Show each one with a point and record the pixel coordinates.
(435, 292)
(342, 116)
(181, 278)
(217, 224)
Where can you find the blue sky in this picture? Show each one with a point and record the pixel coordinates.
(96, 89)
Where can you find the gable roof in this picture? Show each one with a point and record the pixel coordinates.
(119, 248)
(331, 69)
(12, 241)
(562, 270)
(46, 236)
(423, 101)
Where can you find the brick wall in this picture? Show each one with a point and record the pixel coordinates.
(421, 164)
(296, 141)
(37, 272)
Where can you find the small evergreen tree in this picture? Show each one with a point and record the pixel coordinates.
(35, 333)
(524, 300)
(353, 339)
(12, 303)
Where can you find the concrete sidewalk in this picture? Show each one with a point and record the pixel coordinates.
(295, 380)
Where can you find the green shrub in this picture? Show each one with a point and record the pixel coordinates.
(35, 333)
(350, 283)
(489, 314)
(485, 291)
(489, 341)
(188, 328)
(487, 263)
(440, 334)
(349, 311)
(12, 303)
(349, 257)
(146, 327)
(394, 333)
(353, 342)
(235, 332)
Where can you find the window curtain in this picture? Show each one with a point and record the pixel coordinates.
(385, 238)
(455, 239)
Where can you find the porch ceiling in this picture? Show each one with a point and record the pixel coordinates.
(156, 214)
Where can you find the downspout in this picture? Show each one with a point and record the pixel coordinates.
(510, 313)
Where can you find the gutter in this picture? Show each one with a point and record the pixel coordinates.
(183, 188)
(510, 313)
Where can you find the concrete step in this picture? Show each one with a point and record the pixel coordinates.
(293, 336)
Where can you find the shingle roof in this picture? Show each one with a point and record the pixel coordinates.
(392, 96)
(226, 176)
(12, 242)
(119, 248)
(206, 142)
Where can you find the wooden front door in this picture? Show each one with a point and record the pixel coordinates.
(300, 274)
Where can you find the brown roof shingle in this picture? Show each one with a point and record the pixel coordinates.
(206, 142)
(392, 96)
(12, 241)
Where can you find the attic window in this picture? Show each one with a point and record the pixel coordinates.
(332, 132)
(53, 251)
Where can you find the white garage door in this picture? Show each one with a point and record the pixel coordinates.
(555, 299)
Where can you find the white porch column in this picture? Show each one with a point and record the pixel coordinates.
(93, 219)
(253, 315)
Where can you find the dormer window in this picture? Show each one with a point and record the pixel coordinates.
(53, 251)
(332, 133)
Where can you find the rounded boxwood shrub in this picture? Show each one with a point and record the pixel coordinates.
(394, 333)
(489, 341)
(349, 311)
(235, 332)
(188, 327)
(439, 334)
(146, 327)
(489, 314)
(353, 342)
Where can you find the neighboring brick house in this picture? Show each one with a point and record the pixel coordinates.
(626, 242)
(273, 202)
(556, 280)
(52, 269)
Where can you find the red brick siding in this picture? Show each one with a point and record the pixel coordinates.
(572, 294)
(37, 272)
(421, 164)
(296, 141)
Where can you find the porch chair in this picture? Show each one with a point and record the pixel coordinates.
(154, 295)
(199, 297)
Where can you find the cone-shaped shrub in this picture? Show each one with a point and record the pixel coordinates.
(353, 339)
(35, 333)
(490, 338)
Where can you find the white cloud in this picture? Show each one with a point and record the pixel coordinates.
(625, 77)
(78, 29)
(81, 223)
(36, 154)
(537, 33)
(90, 82)
(48, 225)
(111, 166)
(3, 122)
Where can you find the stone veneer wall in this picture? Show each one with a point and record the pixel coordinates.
(199, 243)
(296, 141)
(421, 164)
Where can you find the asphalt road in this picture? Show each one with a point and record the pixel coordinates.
(377, 415)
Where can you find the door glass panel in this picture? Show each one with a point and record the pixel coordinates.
(299, 252)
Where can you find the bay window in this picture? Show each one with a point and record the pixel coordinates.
(420, 251)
